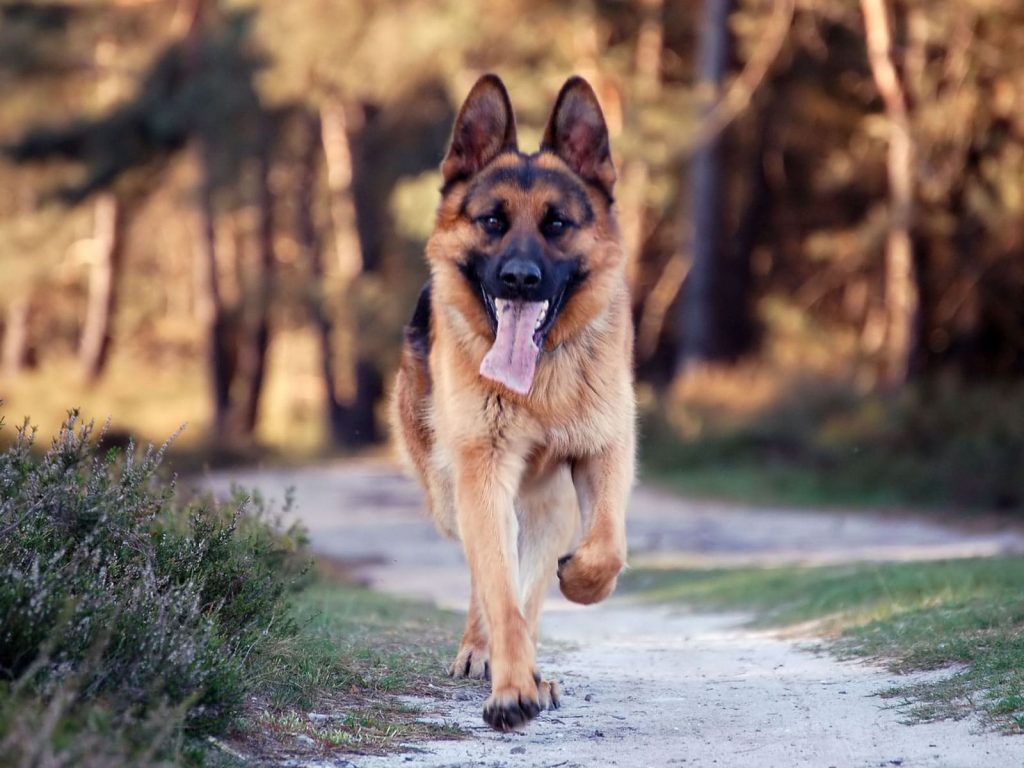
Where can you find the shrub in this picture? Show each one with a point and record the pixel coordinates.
(126, 607)
(935, 443)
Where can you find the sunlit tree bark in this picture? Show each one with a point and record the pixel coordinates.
(334, 129)
(341, 335)
(15, 338)
(105, 259)
(355, 382)
(309, 239)
(901, 288)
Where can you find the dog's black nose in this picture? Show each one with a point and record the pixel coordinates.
(518, 273)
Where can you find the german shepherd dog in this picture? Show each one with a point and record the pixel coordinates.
(514, 398)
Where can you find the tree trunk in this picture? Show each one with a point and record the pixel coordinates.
(15, 341)
(348, 256)
(309, 240)
(635, 178)
(901, 289)
(735, 301)
(209, 307)
(191, 22)
(700, 314)
(649, 42)
(717, 308)
(254, 366)
(338, 155)
(355, 383)
(107, 242)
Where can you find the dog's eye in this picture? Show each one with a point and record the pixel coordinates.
(493, 224)
(554, 225)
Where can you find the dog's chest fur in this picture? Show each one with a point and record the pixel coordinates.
(572, 413)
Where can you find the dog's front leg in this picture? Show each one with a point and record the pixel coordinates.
(603, 482)
(486, 482)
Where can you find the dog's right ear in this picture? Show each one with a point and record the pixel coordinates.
(484, 128)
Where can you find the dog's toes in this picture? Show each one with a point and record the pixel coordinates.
(510, 710)
(472, 663)
(549, 694)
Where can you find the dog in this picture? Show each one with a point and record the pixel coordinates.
(514, 396)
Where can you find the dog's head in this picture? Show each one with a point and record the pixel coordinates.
(526, 248)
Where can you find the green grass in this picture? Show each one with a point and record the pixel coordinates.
(383, 644)
(965, 615)
(750, 481)
(358, 651)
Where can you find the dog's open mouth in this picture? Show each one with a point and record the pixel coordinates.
(520, 329)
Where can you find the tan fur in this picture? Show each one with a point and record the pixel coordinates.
(518, 478)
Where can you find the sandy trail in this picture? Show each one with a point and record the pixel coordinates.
(649, 686)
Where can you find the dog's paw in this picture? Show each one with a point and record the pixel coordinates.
(549, 694)
(509, 708)
(589, 575)
(471, 662)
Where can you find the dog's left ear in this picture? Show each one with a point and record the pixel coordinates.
(577, 133)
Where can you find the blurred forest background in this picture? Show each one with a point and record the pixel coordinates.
(213, 212)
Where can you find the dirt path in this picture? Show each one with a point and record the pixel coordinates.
(648, 686)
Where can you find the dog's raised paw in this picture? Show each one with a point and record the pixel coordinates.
(588, 576)
(510, 710)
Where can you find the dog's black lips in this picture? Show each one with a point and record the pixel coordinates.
(555, 305)
(569, 287)
(490, 307)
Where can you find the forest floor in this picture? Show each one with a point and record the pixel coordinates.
(661, 685)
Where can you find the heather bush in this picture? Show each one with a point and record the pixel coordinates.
(126, 606)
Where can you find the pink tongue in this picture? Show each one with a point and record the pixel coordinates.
(513, 356)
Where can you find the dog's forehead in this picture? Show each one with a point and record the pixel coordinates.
(518, 180)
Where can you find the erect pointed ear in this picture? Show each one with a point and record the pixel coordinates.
(577, 133)
(485, 126)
